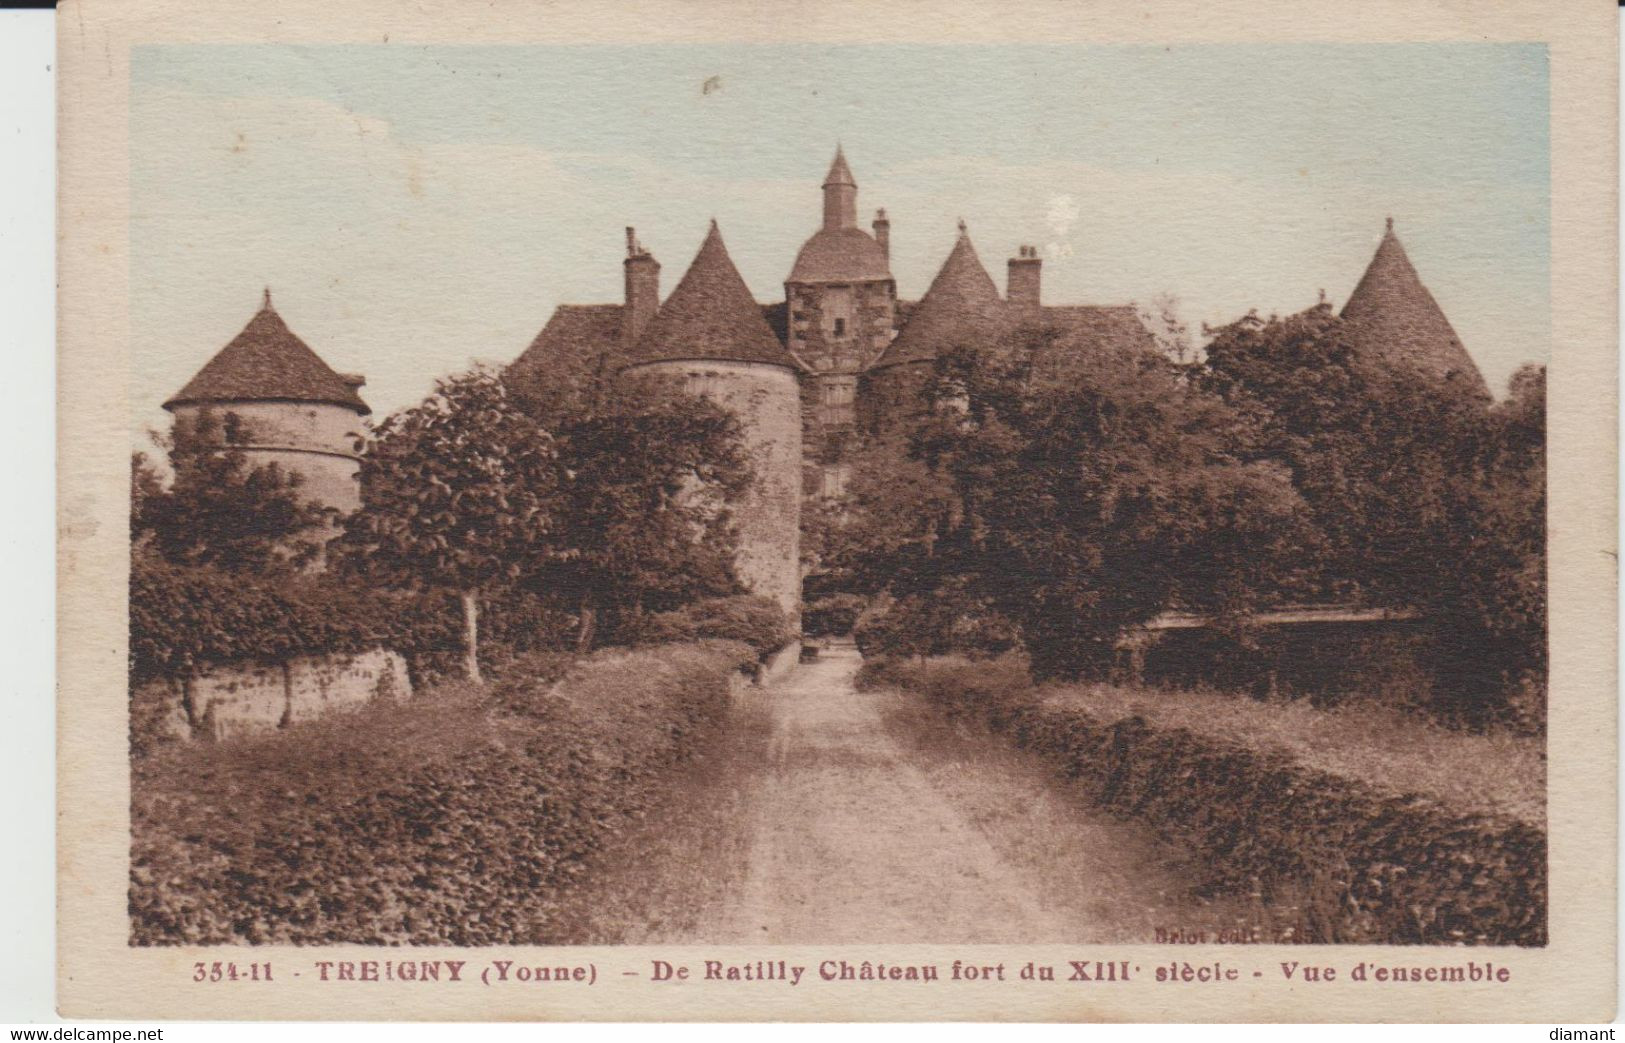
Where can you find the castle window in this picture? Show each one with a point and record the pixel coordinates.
(836, 307)
(837, 394)
(835, 479)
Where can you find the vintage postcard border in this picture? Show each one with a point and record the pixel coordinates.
(100, 975)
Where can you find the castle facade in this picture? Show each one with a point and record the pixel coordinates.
(841, 357)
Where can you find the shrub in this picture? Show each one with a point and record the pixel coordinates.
(1325, 664)
(185, 618)
(908, 626)
(1362, 865)
(453, 820)
(935, 624)
(520, 680)
(748, 618)
(950, 682)
(832, 615)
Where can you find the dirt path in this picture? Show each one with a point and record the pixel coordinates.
(871, 820)
(825, 815)
(850, 842)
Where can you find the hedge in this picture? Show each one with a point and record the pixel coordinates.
(1362, 865)
(184, 618)
(748, 618)
(458, 819)
(833, 615)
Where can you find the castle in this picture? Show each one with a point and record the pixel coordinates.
(842, 356)
(294, 410)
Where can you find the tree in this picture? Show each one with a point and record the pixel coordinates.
(1173, 337)
(1077, 504)
(1420, 497)
(649, 477)
(882, 534)
(1487, 596)
(462, 493)
(220, 512)
(146, 487)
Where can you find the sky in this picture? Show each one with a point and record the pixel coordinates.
(413, 209)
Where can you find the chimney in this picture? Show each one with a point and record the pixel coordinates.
(642, 289)
(882, 227)
(1026, 270)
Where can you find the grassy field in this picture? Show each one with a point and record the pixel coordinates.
(673, 872)
(464, 816)
(1391, 750)
(1361, 823)
(1108, 879)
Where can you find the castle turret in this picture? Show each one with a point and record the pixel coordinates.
(840, 290)
(1391, 316)
(962, 306)
(962, 303)
(711, 335)
(840, 195)
(842, 311)
(289, 408)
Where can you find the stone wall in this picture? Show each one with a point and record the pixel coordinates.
(830, 390)
(868, 313)
(767, 401)
(780, 663)
(222, 702)
(319, 441)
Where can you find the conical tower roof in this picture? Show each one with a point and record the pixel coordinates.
(962, 301)
(268, 362)
(1393, 317)
(839, 172)
(710, 315)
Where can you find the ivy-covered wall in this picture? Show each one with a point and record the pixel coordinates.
(222, 702)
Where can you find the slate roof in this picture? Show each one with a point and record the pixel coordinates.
(777, 315)
(1392, 316)
(840, 255)
(267, 362)
(710, 315)
(962, 301)
(577, 341)
(1093, 327)
(1080, 336)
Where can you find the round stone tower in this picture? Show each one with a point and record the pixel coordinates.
(277, 402)
(711, 335)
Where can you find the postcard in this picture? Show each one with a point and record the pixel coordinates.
(927, 511)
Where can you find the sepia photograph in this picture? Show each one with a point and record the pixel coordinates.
(868, 513)
(1119, 597)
